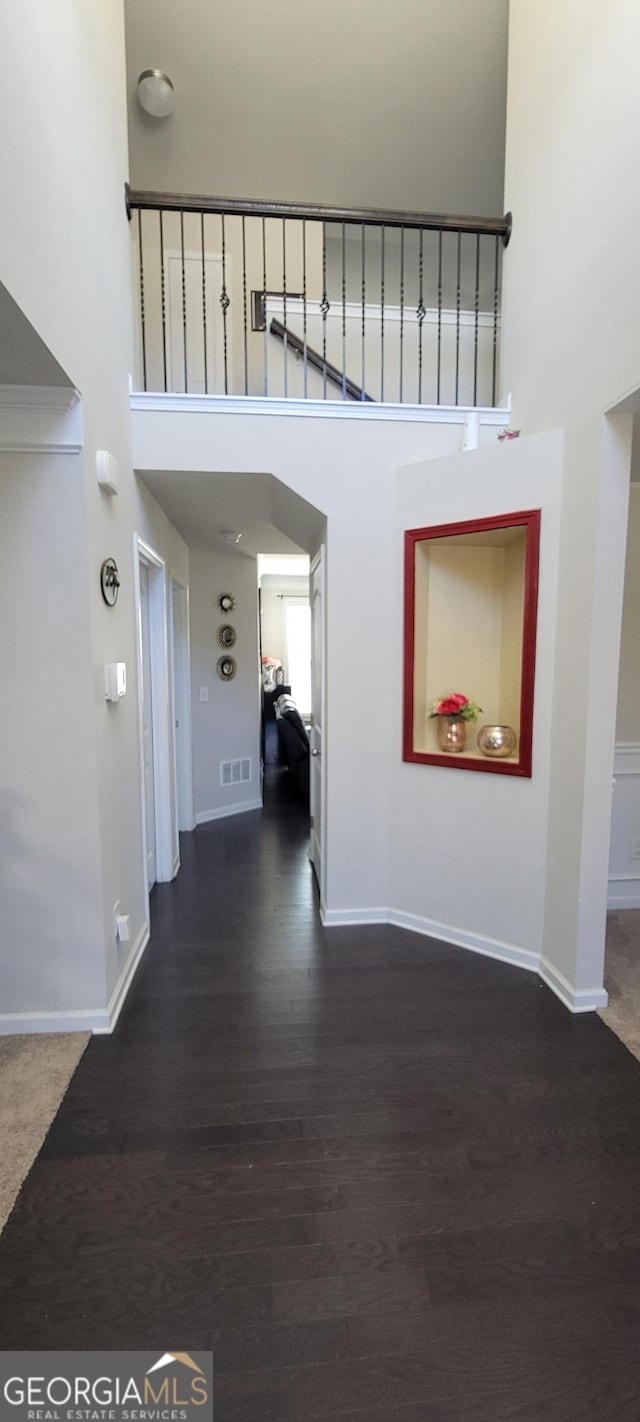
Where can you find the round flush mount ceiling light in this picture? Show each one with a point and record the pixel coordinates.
(229, 535)
(155, 93)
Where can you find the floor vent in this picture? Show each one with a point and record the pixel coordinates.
(235, 772)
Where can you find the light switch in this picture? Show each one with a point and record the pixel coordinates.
(204, 693)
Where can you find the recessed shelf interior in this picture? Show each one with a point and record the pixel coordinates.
(468, 601)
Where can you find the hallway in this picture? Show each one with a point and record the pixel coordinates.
(382, 1179)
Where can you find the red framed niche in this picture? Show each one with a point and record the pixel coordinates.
(470, 613)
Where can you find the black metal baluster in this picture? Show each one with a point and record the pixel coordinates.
(344, 313)
(364, 296)
(325, 308)
(304, 305)
(264, 298)
(421, 312)
(284, 306)
(382, 315)
(184, 306)
(401, 305)
(477, 320)
(439, 318)
(204, 305)
(496, 279)
(225, 304)
(163, 301)
(244, 306)
(458, 317)
(142, 311)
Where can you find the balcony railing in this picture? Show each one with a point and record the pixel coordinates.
(298, 301)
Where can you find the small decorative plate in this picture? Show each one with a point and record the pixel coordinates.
(226, 602)
(226, 635)
(110, 581)
(226, 668)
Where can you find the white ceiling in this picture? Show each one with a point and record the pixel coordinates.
(366, 103)
(270, 517)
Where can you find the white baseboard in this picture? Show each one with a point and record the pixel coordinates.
(624, 891)
(430, 928)
(586, 1000)
(350, 918)
(99, 1020)
(206, 816)
(126, 978)
(175, 867)
(474, 942)
(14, 1024)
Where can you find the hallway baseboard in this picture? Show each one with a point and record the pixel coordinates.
(585, 1000)
(206, 816)
(429, 928)
(121, 989)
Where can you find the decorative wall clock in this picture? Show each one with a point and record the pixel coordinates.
(226, 635)
(110, 581)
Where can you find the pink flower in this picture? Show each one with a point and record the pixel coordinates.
(452, 705)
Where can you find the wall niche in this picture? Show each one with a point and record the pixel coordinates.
(471, 593)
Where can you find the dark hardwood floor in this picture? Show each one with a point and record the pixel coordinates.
(383, 1179)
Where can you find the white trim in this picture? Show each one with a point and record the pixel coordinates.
(40, 419)
(206, 816)
(175, 867)
(354, 311)
(125, 980)
(89, 1020)
(99, 1020)
(347, 918)
(585, 1000)
(315, 409)
(432, 928)
(620, 897)
(626, 759)
(162, 712)
(474, 942)
(181, 669)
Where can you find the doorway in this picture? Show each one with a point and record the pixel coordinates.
(159, 821)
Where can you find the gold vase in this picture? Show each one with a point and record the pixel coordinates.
(452, 733)
(497, 742)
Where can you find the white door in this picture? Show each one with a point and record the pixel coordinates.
(147, 727)
(316, 598)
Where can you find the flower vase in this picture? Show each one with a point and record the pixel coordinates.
(452, 733)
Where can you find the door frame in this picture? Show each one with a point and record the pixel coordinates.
(320, 555)
(181, 675)
(161, 714)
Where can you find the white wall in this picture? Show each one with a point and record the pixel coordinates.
(227, 725)
(624, 865)
(571, 304)
(347, 468)
(351, 104)
(628, 722)
(51, 957)
(65, 260)
(468, 849)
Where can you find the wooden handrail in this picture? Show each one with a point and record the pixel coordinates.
(314, 358)
(138, 200)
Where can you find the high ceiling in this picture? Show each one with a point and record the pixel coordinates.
(368, 103)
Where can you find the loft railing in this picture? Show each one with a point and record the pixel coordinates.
(301, 301)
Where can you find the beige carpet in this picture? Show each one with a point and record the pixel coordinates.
(622, 977)
(35, 1072)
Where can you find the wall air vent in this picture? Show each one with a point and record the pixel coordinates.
(235, 772)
